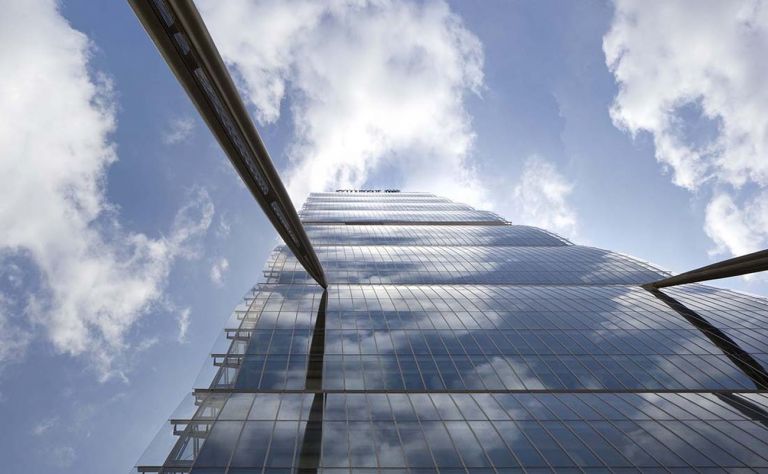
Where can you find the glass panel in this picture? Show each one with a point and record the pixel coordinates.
(453, 342)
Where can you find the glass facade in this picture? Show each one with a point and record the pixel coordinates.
(451, 341)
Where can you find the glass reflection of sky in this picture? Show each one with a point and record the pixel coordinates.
(556, 265)
(440, 235)
(494, 431)
(481, 347)
(475, 337)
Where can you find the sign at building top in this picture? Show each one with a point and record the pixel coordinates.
(367, 190)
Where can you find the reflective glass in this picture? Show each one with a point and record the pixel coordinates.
(524, 434)
(450, 341)
(557, 265)
(438, 235)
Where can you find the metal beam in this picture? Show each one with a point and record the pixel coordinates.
(750, 263)
(314, 379)
(742, 359)
(180, 34)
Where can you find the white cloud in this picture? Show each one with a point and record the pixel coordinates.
(225, 226)
(540, 198)
(372, 85)
(146, 344)
(739, 230)
(97, 278)
(14, 338)
(218, 269)
(45, 426)
(178, 130)
(183, 320)
(693, 74)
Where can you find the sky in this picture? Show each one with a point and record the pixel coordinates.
(638, 126)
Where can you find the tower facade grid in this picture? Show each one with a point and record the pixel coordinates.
(449, 340)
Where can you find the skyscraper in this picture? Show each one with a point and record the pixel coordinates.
(451, 341)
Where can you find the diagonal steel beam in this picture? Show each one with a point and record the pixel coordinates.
(742, 359)
(750, 263)
(179, 33)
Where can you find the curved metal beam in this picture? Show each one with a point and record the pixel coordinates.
(180, 34)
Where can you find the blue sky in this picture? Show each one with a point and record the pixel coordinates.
(635, 126)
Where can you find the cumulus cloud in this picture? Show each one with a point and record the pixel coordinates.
(369, 84)
(96, 278)
(178, 130)
(218, 269)
(738, 229)
(540, 198)
(692, 74)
